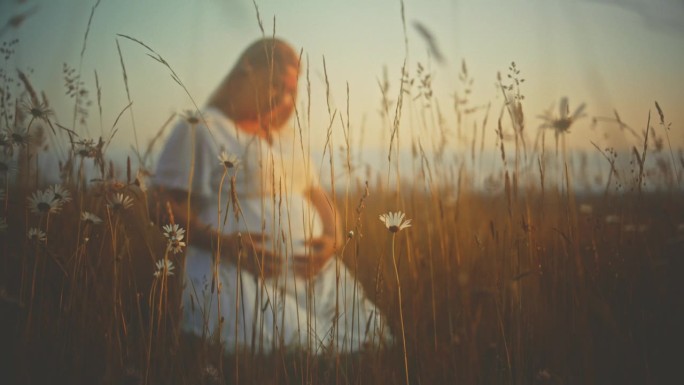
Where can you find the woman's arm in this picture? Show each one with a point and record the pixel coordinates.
(325, 246)
(260, 261)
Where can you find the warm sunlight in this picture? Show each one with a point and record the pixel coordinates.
(347, 192)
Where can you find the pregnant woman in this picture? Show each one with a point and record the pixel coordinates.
(260, 269)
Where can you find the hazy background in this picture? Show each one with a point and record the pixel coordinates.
(619, 55)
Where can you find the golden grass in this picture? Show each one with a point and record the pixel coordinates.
(527, 283)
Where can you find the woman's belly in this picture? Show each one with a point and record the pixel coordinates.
(288, 225)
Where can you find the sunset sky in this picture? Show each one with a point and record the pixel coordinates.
(621, 55)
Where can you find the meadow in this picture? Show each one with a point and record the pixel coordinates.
(553, 270)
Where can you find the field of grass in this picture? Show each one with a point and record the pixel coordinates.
(533, 278)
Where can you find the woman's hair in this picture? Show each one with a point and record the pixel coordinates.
(262, 85)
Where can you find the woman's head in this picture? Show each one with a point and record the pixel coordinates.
(260, 91)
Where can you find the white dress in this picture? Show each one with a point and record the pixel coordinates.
(328, 312)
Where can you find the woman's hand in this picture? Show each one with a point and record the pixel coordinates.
(248, 251)
(322, 249)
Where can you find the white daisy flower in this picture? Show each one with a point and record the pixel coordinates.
(44, 202)
(395, 221)
(164, 266)
(229, 160)
(173, 231)
(91, 218)
(119, 201)
(176, 245)
(174, 234)
(36, 235)
(60, 193)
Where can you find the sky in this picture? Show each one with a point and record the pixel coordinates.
(610, 55)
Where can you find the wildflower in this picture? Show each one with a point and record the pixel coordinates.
(60, 193)
(19, 136)
(350, 234)
(164, 267)
(38, 110)
(173, 231)
(561, 123)
(3, 225)
(119, 201)
(229, 160)
(44, 202)
(176, 245)
(36, 235)
(174, 234)
(91, 218)
(395, 221)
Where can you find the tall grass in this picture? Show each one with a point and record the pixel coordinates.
(527, 280)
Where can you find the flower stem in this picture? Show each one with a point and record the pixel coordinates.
(401, 311)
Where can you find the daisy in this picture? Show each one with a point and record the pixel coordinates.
(119, 201)
(395, 221)
(19, 136)
(38, 110)
(176, 245)
(173, 231)
(164, 266)
(561, 123)
(229, 160)
(36, 235)
(91, 218)
(44, 202)
(60, 193)
(174, 234)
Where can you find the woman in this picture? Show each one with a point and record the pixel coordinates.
(260, 271)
